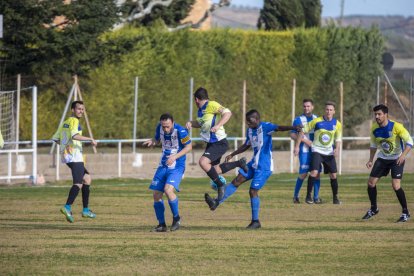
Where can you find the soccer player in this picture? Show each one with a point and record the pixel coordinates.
(211, 118)
(393, 142)
(305, 152)
(259, 137)
(176, 143)
(69, 136)
(327, 131)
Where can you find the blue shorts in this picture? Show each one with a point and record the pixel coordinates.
(305, 159)
(164, 175)
(258, 177)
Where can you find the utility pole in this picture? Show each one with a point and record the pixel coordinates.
(341, 17)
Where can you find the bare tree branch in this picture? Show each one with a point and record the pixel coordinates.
(139, 11)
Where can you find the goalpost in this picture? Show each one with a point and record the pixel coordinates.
(9, 116)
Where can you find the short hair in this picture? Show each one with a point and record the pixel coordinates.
(201, 93)
(381, 107)
(307, 101)
(74, 103)
(166, 116)
(253, 113)
(330, 103)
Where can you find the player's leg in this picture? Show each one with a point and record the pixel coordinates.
(227, 166)
(316, 188)
(157, 186)
(172, 184)
(304, 162)
(397, 174)
(258, 182)
(78, 170)
(316, 161)
(378, 170)
(87, 181)
(329, 164)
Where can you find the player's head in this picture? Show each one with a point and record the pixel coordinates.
(200, 96)
(329, 110)
(307, 106)
(381, 107)
(167, 122)
(78, 108)
(253, 118)
(381, 114)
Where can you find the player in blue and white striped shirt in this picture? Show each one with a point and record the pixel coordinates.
(305, 152)
(176, 143)
(260, 168)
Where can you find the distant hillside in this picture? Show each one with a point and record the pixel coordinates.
(398, 30)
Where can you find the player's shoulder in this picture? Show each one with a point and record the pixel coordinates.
(179, 128)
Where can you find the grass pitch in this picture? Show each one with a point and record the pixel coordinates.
(295, 239)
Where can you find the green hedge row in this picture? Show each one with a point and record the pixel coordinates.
(220, 60)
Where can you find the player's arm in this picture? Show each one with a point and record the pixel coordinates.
(225, 117)
(405, 136)
(192, 124)
(1, 141)
(150, 142)
(171, 159)
(241, 149)
(79, 137)
(372, 151)
(337, 147)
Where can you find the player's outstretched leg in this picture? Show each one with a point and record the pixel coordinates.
(211, 202)
(242, 163)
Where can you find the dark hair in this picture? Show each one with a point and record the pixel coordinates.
(381, 107)
(253, 113)
(330, 103)
(166, 116)
(307, 101)
(201, 93)
(74, 103)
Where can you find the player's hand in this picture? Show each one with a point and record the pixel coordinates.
(94, 143)
(214, 129)
(228, 158)
(369, 164)
(400, 160)
(296, 151)
(189, 125)
(171, 159)
(299, 128)
(149, 143)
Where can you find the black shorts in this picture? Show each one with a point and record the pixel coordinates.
(214, 151)
(78, 171)
(382, 167)
(328, 161)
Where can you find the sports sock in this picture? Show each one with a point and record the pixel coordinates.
(68, 207)
(225, 167)
(298, 185)
(85, 195)
(255, 205)
(212, 173)
(316, 187)
(311, 181)
(229, 190)
(174, 207)
(372, 194)
(334, 186)
(73, 193)
(401, 198)
(159, 211)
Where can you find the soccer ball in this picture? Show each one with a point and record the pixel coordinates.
(214, 185)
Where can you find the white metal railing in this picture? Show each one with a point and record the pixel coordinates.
(120, 142)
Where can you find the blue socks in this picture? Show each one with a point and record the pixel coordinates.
(298, 185)
(85, 210)
(174, 207)
(229, 190)
(159, 211)
(316, 187)
(255, 204)
(68, 207)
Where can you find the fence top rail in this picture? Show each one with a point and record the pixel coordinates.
(197, 139)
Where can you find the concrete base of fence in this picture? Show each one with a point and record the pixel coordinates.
(108, 165)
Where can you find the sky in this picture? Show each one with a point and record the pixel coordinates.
(332, 8)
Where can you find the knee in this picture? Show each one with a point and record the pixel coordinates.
(253, 193)
(87, 179)
(157, 196)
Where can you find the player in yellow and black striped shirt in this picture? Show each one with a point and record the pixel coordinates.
(393, 142)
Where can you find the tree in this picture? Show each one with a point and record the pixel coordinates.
(48, 39)
(287, 14)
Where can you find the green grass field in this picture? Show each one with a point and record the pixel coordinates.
(294, 239)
